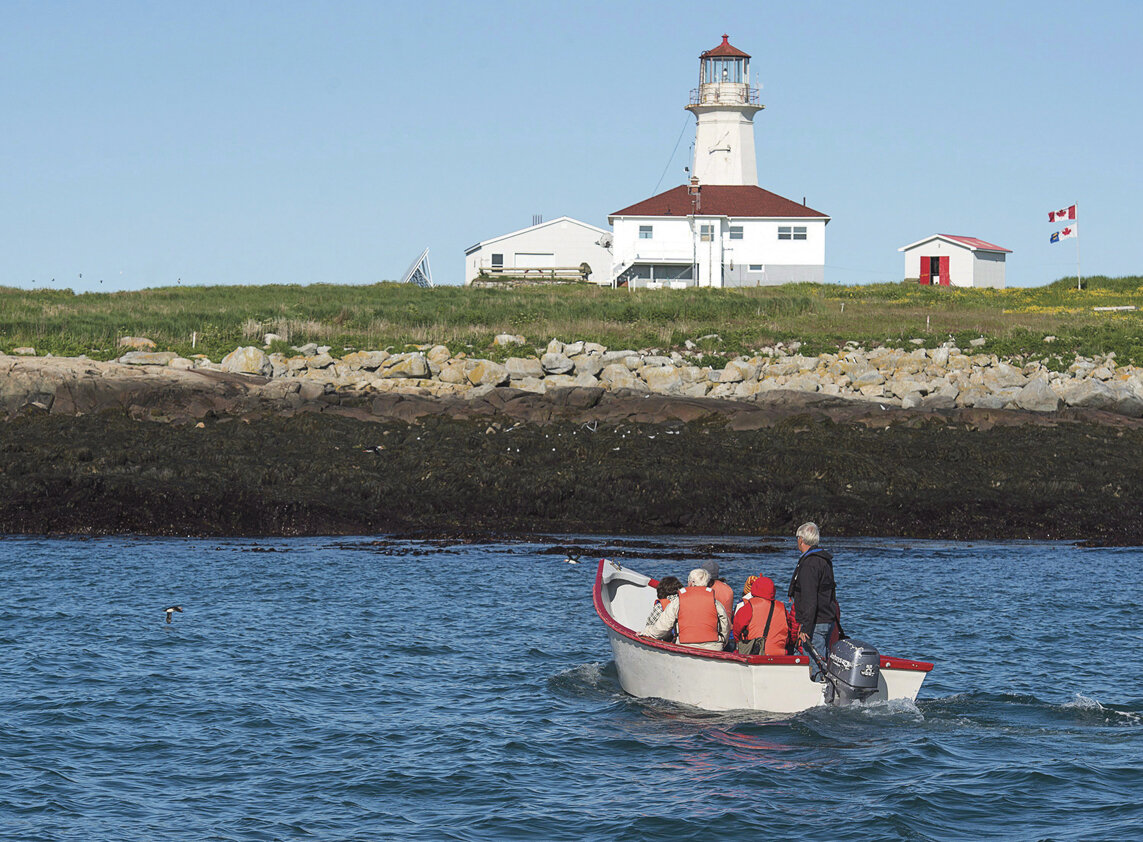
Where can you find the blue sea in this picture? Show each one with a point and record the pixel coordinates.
(374, 689)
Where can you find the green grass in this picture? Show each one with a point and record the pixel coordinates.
(821, 317)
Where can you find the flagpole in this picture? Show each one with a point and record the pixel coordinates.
(1079, 281)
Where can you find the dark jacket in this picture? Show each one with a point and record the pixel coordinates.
(813, 590)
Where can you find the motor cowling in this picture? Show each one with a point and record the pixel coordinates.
(855, 668)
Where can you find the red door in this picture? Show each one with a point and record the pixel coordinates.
(926, 274)
(944, 270)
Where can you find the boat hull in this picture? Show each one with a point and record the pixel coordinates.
(717, 681)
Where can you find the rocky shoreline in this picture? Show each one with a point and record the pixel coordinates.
(930, 378)
(161, 445)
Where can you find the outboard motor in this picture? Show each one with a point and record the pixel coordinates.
(854, 668)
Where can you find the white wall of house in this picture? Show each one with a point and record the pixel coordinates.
(765, 254)
(562, 242)
(988, 270)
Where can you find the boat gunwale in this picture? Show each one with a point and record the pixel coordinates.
(887, 662)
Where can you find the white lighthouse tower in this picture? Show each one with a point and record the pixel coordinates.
(724, 105)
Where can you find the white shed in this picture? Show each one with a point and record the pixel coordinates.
(947, 260)
(562, 243)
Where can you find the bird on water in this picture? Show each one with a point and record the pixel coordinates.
(170, 611)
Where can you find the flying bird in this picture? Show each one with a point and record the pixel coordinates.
(170, 611)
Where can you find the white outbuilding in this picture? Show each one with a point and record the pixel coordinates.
(948, 260)
(561, 245)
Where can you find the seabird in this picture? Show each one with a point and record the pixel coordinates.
(170, 611)
(572, 559)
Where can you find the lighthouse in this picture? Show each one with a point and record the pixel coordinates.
(724, 104)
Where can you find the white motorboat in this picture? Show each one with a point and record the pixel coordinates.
(728, 680)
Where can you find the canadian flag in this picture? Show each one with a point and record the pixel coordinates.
(1068, 231)
(1061, 215)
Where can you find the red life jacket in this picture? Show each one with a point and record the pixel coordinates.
(698, 618)
(663, 603)
(724, 594)
(779, 632)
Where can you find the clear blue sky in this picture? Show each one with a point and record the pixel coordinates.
(285, 142)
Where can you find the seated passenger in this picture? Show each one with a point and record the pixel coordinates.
(722, 591)
(701, 620)
(667, 588)
(760, 624)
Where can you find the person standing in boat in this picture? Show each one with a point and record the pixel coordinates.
(813, 592)
(701, 620)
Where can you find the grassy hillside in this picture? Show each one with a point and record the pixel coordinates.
(822, 317)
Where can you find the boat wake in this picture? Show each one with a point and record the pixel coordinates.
(598, 680)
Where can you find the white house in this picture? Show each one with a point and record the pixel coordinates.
(722, 229)
(945, 260)
(718, 235)
(560, 243)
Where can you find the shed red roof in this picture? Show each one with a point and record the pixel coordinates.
(736, 200)
(973, 242)
(724, 49)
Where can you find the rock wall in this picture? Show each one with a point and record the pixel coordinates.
(927, 379)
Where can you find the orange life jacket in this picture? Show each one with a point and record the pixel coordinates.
(724, 594)
(698, 618)
(663, 603)
(779, 631)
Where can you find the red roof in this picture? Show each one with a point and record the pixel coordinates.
(724, 49)
(973, 242)
(736, 200)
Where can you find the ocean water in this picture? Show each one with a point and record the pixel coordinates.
(369, 689)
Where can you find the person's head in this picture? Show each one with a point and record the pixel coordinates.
(668, 586)
(750, 580)
(763, 588)
(808, 536)
(711, 567)
(698, 578)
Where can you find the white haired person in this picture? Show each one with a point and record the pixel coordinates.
(701, 620)
(813, 593)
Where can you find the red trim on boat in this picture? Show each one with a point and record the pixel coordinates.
(614, 625)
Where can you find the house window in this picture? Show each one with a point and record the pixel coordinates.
(799, 232)
(645, 232)
(706, 233)
(497, 261)
(757, 267)
(785, 232)
(736, 232)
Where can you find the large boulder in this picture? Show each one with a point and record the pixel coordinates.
(588, 364)
(662, 379)
(368, 360)
(486, 372)
(148, 357)
(737, 371)
(507, 339)
(405, 365)
(438, 355)
(1037, 396)
(520, 368)
(1087, 393)
(1004, 376)
(248, 360)
(556, 363)
(136, 343)
(618, 376)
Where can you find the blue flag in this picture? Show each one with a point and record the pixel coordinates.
(1055, 237)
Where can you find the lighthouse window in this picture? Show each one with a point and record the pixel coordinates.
(645, 232)
(736, 232)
